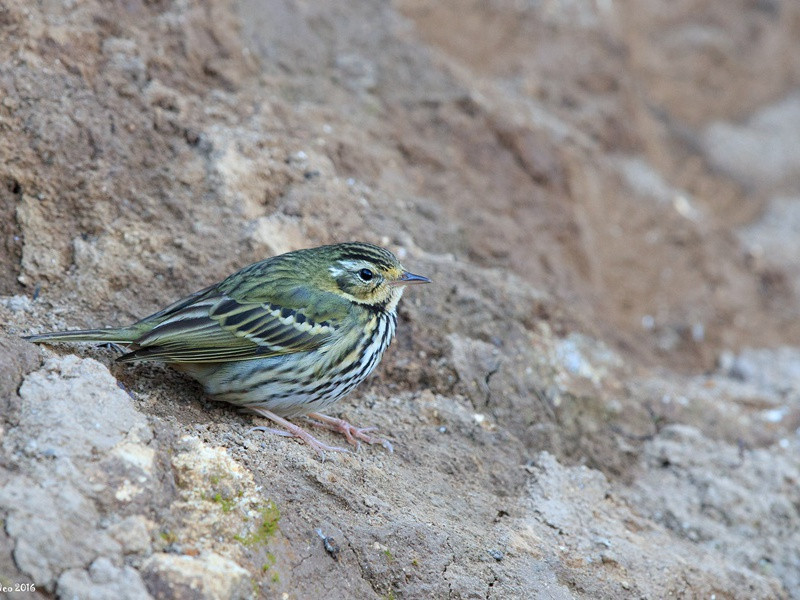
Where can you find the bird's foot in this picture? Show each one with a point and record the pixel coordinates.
(352, 433)
(293, 430)
(272, 430)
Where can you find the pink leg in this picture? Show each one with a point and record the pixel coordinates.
(351, 432)
(293, 430)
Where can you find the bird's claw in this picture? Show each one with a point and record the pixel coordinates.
(351, 433)
(294, 431)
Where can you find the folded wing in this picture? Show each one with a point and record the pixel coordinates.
(217, 327)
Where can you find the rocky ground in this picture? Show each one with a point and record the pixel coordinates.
(598, 397)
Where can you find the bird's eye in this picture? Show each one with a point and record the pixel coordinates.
(366, 275)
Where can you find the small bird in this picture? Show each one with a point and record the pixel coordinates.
(283, 337)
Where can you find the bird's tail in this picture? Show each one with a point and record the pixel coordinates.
(114, 335)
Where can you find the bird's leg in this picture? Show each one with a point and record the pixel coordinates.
(351, 432)
(293, 430)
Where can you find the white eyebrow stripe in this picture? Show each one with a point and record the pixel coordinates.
(352, 265)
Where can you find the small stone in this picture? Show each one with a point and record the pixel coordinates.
(18, 303)
(496, 554)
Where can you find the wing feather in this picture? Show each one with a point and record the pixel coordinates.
(241, 318)
(222, 328)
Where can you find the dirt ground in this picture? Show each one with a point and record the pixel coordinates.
(598, 396)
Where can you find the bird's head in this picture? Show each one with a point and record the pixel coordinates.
(365, 274)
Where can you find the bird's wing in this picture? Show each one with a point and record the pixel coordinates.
(213, 327)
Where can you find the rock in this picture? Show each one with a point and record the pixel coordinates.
(54, 527)
(103, 580)
(76, 433)
(277, 234)
(475, 362)
(133, 534)
(613, 536)
(94, 415)
(581, 356)
(696, 487)
(17, 358)
(205, 577)
(357, 73)
(761, 151)
(18, 303)
(772, 370)
(773, 241)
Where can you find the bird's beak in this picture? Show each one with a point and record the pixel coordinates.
(409, 278)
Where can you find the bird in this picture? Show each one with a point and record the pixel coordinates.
(284, 337)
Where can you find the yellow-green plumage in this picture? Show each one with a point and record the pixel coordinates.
(282, 337)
